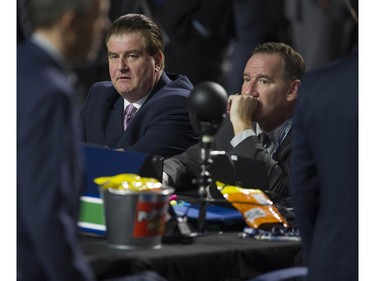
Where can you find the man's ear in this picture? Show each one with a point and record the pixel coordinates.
(66, 31)
(293, 90)
(159, 58)
(68, 20)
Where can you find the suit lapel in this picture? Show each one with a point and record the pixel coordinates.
(284, 150)
(114, 126)
(164, 80)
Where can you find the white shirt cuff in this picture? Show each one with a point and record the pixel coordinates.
(241, 136)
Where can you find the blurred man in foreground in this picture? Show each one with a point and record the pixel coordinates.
(324, 185)
(65, 33)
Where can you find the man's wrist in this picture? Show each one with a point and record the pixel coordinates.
(241, 126)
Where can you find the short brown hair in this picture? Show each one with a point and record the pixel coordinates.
(138, 23)
(294, 62)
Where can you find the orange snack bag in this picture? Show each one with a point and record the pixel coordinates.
(254, 205)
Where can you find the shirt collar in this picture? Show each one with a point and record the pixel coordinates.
(274, 134)
(50, 49)
(137, 103)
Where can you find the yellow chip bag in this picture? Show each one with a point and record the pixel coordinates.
(131, 182)
(254, 205)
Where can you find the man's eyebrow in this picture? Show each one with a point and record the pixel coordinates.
(138, 50)
(133, 51)
(265, 76)
(258, 76)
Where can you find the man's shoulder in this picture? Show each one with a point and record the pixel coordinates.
(25, 46)
(342, 70)
(179, 82)
(102, 85)
(103, 93)
(103, 89)
(173, 93)
(33, 59)
(329, 84)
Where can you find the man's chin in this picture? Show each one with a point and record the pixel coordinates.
(256, 117)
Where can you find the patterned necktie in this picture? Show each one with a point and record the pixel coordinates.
(129, 113)
(265, 140)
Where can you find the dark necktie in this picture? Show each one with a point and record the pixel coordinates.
(265, 140)
(129, 114)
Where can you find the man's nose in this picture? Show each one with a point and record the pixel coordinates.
(250, 89)
(122, 64)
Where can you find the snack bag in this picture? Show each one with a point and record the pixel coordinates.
(255, 206)
(132, 182)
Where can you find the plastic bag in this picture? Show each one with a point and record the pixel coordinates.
(254, 205)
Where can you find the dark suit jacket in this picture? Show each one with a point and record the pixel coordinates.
(191, 51)
(184, 167)
(48, 172)
(161, 126)
(324, 185)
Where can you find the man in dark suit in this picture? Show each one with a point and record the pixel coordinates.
(271, 79)
(160, 122)
(48, 169)
(198, 37)
(49, 178)
(324, 183)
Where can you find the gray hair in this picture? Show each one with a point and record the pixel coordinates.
(44, 13)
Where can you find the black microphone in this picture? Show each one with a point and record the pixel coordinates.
(207, 107)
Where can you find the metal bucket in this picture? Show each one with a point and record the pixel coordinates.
(135, 219)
